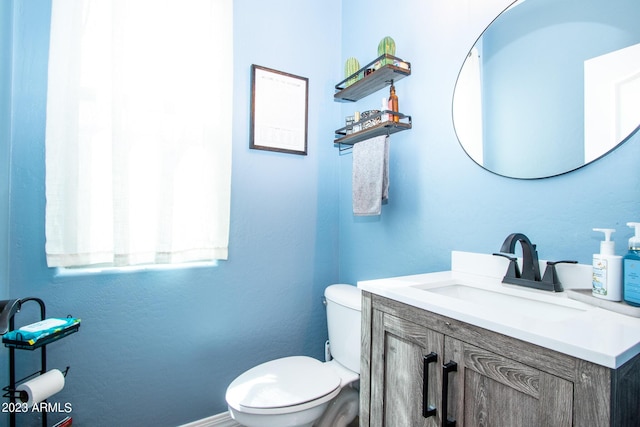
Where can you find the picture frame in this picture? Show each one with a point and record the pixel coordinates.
(279, 111)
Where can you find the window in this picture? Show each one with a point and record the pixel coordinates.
(138, 141)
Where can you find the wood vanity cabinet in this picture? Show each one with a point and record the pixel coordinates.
(493, 380)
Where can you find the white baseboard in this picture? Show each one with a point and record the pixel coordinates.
(220, 420)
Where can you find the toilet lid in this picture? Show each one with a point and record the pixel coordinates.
(280, 383)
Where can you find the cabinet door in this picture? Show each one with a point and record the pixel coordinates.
(398, 373)
(490, 390)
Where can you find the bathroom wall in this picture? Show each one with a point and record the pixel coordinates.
(158, 348)
(439, 199)
(6, 8)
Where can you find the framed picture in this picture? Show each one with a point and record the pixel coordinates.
(279, 110)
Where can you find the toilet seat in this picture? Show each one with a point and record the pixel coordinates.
(283, 385)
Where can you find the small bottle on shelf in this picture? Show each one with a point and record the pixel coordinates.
(393, 103)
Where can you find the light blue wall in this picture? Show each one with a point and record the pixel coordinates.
(6, 8)
(159, 348)
(439, 199)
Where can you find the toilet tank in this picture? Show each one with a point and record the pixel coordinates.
(344, 305)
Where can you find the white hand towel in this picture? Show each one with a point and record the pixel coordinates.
(370, 175)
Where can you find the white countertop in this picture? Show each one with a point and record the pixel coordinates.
(590, 333)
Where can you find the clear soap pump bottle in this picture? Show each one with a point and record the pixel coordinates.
(631, 268)
(607, 269)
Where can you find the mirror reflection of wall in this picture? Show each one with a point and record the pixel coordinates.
(519, 104)
(611, 99)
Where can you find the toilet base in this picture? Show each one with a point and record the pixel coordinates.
(304, 418)
(342, 410)
(338, 412)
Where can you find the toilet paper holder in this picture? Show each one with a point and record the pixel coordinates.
(13, 392)
(8, 310)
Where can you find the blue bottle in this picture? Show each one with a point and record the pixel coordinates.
(631, 268)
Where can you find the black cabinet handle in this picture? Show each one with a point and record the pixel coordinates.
(446, 369)
(427, 410)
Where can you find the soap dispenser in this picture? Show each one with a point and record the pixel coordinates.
(607, 269)
(631, 268)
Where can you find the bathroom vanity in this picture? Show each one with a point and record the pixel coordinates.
(457, 343)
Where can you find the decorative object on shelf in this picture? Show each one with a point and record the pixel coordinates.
(387, 46)
(348, 121)
(393, 103)
(279, 111)
(351, 67)
(370, 122)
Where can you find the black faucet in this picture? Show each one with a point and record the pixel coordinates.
(530, 264)
(530, 275)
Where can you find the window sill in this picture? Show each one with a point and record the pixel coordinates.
(66, 272)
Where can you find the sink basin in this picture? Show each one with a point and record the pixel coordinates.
(507, 303)
(472, 292)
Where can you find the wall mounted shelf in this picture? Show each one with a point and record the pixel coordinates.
(383, 128)
(370, 81)
(376, 80)
(22, 345)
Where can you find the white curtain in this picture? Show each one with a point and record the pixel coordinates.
(138, 135)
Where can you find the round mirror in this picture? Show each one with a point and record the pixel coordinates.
(550, 86)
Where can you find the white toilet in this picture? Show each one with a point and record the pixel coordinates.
(300, 391)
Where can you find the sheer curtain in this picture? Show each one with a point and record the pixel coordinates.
(138, 135)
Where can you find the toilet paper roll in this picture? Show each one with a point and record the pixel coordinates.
(42, 387)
